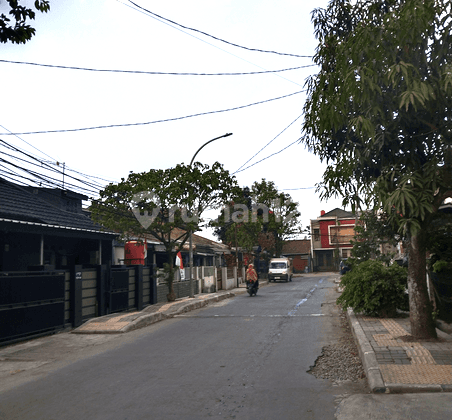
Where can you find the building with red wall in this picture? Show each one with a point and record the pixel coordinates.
(299, 251)
(331, 234)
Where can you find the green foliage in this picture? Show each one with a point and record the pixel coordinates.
(374, 231)
(379, 109)
(20, 32)
(441, 265)
(253, 211)
(374, 289)
(378, 112)
(166, 204)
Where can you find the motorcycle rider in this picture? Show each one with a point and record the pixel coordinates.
(251, 276)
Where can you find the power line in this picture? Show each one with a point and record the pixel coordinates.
(40, 151)
(85, 187)
(273, 154)
(214, 37)
(268, 144)
(202, 40)
(152, 72)
(52, 162)
(41, 177)
(153, 122)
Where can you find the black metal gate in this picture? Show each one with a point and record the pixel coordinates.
(30, 303)
(119, 289)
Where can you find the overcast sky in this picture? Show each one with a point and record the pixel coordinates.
(114, 35)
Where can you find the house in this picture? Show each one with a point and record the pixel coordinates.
(52, 262)
(48, 227)
(300, 252)
(205, 251)
(331, 234)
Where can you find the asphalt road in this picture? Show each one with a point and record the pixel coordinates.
(242, 358)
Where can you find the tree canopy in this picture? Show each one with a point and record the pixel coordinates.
(379, 113)
(19, 31)
(166, 204)
(260, 215)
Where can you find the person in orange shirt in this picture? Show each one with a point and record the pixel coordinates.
(251, 276)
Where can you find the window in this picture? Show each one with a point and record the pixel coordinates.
(278, 265)
(316, 234)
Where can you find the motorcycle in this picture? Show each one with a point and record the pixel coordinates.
(252, 287)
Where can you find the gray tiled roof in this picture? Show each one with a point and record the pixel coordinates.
(56, 208)
(339, 213)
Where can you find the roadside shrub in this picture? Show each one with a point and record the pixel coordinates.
(374, 289)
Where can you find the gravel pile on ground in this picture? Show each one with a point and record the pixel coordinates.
(341, 361)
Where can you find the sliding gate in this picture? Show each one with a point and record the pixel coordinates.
(30, 303)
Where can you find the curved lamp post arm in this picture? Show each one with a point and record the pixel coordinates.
(205, 144)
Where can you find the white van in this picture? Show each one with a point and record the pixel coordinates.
(280, 269)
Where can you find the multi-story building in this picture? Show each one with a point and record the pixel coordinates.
(331, 234)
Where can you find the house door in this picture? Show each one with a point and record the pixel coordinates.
(325, 261)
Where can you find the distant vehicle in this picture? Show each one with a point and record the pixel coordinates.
(343, 267)
(280, 269)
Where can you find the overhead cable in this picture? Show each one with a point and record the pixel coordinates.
(269, 156)
(214, 37)
(44, 178)
(152, 122)
(47, 165)
(202, 40)
(34, 147)
(268, 144)
(153, 72)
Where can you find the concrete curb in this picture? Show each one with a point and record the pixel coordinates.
(372, 369)
(367, 354)
(444, 326)
(148, 319)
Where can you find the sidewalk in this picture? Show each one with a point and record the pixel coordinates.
(128, 321)
(395, 363)
(124, 322)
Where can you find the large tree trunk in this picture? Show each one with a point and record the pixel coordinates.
(422, 324)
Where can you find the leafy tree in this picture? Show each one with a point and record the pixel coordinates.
(235, 226)
(374, 233)
(20, 32)
(282, 218)
(378, 112)
(260, 215)
(166, 204)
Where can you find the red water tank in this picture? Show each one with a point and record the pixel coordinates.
(135, 253)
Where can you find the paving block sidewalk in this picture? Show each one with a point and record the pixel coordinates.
(395, 363)
(128, 321)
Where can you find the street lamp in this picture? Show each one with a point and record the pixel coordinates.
(191, 232)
